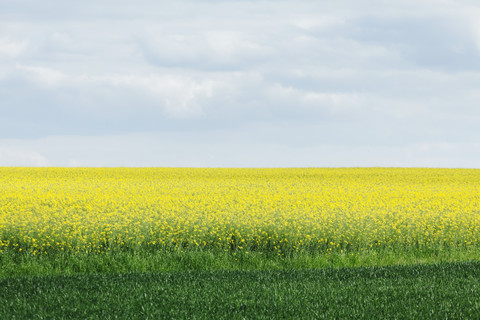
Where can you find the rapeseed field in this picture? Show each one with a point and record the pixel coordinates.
(280, 211)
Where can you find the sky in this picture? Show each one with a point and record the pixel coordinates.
(240, 83)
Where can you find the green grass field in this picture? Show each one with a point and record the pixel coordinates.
(14, 264)
(437, 291)
(221, 285)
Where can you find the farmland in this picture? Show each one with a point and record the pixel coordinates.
(280, 211)
(62, 225)
(445, 291)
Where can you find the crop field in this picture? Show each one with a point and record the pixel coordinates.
(238, 243)
(445, 291)
(76, 211)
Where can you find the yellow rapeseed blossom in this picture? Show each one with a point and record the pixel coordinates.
(103, 209)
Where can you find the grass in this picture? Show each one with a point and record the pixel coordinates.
(446, 291)
(15, 264)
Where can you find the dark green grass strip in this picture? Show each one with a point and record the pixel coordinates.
(439, 291)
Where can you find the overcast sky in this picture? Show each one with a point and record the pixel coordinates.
(239, 83)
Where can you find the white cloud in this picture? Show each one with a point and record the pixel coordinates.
(43, 76)
(10, 48)
(317, 22)
(19, 157)
(311, 79)
(472, 17)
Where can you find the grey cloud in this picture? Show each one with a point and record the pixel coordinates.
(215, 51)
(269, 77)
(438, 43)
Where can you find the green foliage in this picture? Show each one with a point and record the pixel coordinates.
(440, 291)
(15, 264)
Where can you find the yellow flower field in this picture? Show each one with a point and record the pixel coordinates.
(103, 209)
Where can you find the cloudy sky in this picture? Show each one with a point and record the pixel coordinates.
(237, 83)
